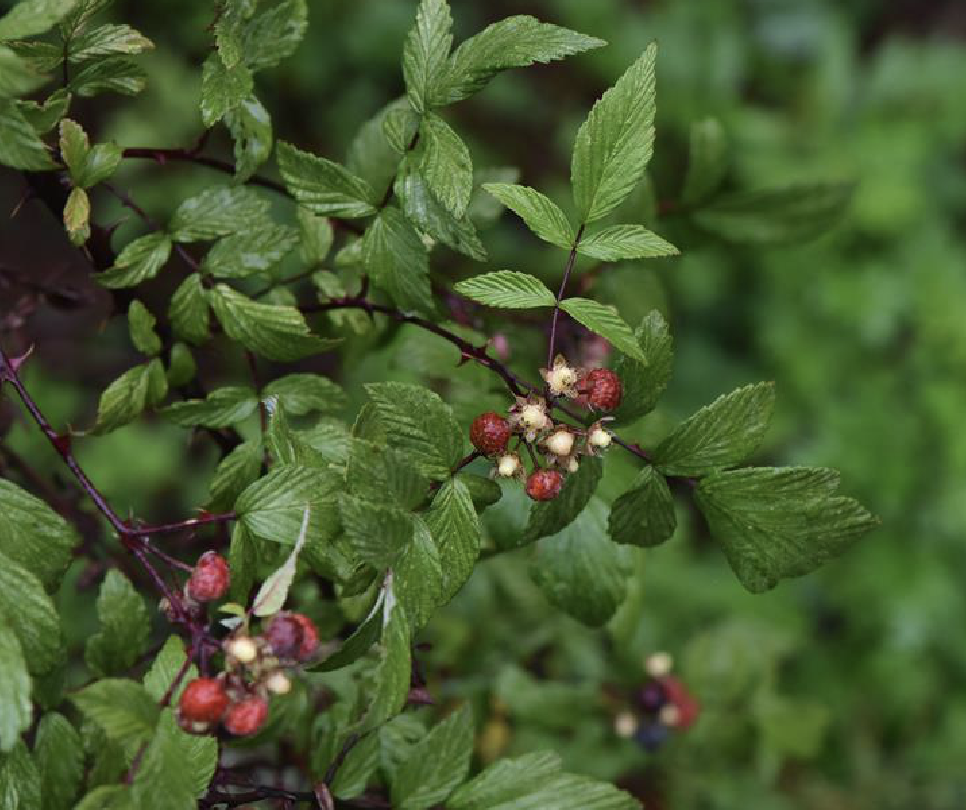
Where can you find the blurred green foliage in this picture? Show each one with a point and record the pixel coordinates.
(841, 690)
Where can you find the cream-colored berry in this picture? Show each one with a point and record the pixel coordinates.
(573, 465)
(599, 437)
(242, 649)
(625, 725)
(508, 465)
(278, 683)
(560, 442)
(658, 664)
(670, 715)
(561, 379)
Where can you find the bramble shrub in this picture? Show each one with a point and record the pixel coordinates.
(279, 655)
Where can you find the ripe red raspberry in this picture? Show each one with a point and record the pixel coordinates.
(246, 716)
(210, 578)
(600, 388)
(292, 635)
(490, 433)
(544, 485)
(204, 700)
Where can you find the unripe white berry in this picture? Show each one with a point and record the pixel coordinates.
(669, 715)
(573, 465)
(242, 649)
(599, 437)
(659, 664)
(508, 465)
(561, 442)
(278, 683)
(625, 725)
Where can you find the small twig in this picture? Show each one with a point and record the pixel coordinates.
(571, 261)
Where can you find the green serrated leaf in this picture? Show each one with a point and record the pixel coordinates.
(418, 578)
(176, 767)
(507, 289)
(378, 473)
(540, 213)
(776, 216)
(272, 507)
(625, 242)
(20, 146)
(108, 797)
(242, 560)
(254, 251)
(181, 366)
(124, 624)
(59, 755)
(140, 323)
(273, 35)
(644, 384)
(376, 532)
(437, 764)
(44, 117)
(513, 42)
(644, 515)
(126, 398)
(109, 74)
(15, 706)
(419, 423)
(217, 212)
(397, 261)
(615, 143)
(323, 186)
(74, 146)
(775, 523)
(122, 708)
(165, 668)
(606, 322)
(33, 535)
(221, 408)
(374, 152)
(223, 88)
(106, 40)
(456, 529)
(506, 780)
(391, 678)
(707, 161)
(188, 310)
(140, 260)
(429, 215)
(426, 52)
(77, 214)
(582, 572)
(445, 163)
(32, 17)
(250, 126)
(549, 517)
(304, 393)
(273, 331)
(719, 435)
(26, 609)
(20, 785)
(235, 472)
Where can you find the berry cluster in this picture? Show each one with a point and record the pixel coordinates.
(661, 705)
(559, 444)
(255, 666)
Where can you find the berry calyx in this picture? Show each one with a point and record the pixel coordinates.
(246, 716)
(204, 700)
(561, 378)
(209, 579)
(652, 697)
(544, 485)
(560, 442)
(490, 433)
(292, 635)
(528, 415)
(600, 388)
(598, 437)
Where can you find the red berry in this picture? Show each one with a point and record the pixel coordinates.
(544, 485)
(601, 388)
(292, 635)
(210, 578)
(490, 433)
(246, 716)
(679, 696)
(204, 700)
